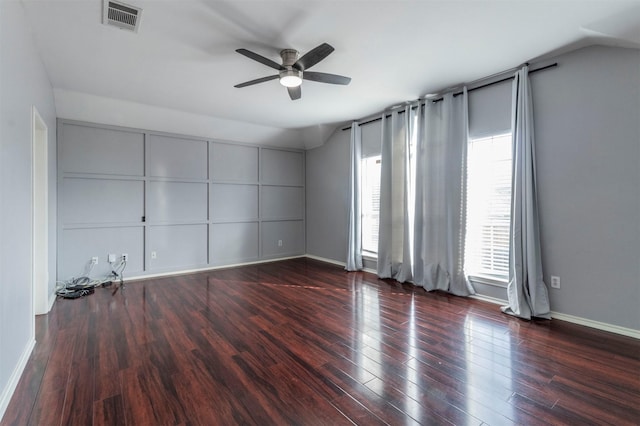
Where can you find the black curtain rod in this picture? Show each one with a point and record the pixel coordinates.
(373, 120)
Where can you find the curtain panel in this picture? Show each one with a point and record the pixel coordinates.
(354, 249)
(422, 195)
(394, 252)
(527, 292)
(440, 196)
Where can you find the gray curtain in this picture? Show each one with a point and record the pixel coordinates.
(354, 249)
(442, 137)
(394, 252)
(527, 292)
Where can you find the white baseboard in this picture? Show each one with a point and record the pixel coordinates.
(336, 262)
(52, 300)
(209, 268)
(10, 388)
(489, 299)
(629, 332)
(326, 260)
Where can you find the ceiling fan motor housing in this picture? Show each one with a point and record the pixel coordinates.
(289, 57)
(290, 76)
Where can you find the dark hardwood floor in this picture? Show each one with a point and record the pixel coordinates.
(303, 342)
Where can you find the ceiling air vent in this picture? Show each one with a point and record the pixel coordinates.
(121, 15)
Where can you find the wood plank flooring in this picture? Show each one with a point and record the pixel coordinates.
(302, 342)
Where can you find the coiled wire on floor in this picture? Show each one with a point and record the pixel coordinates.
(84, 285)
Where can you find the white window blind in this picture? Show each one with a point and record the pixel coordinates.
(488, 207)
(370, 170)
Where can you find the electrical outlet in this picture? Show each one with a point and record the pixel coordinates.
(125, 257)
(94, 260)
(112, 257)
(279, 243)
(555, 281)
(154, 254)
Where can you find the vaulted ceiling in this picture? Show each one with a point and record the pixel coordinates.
(183, 56)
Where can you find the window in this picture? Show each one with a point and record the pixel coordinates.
(488, 208)
(370, 170)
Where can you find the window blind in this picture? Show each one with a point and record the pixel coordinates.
(370, 171)
(488, 207)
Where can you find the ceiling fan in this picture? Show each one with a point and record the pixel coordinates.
(294, 69)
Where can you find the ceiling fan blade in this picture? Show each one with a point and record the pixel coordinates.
(294, 92)
(324, 77)
(314, 56)
(256, 81)
(266, 61)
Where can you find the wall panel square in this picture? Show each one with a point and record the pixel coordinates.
(176, 247)
(234, 163)
(176, 201)
(94, 150)
(282, 167)
(234, 202)
(101, 201)
(234, 242)
(282, 202)
(80, 245)
(173, 157)
(291, 233)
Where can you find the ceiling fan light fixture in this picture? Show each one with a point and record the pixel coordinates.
(291, 78)
(294, 68)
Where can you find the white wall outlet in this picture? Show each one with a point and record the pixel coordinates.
(555, 281)
(94, 260)
(125, 257)
(279, 243)
(112, 257)
(154, 255)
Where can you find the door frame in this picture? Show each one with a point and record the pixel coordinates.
(39, 213)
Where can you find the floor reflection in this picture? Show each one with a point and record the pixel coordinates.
(411, 389)
(365, 308)
(489, 381)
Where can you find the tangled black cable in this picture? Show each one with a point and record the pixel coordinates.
(84, 285)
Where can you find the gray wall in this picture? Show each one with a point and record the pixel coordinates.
(328, 192)
(588, 152)
(23, 83)
(327, 198)
(204, 203)
(587, 114)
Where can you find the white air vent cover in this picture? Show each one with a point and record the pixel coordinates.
(121, 15)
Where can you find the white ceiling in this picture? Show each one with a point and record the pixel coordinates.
(183, 57)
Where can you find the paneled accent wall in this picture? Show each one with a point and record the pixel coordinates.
(172, 202)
